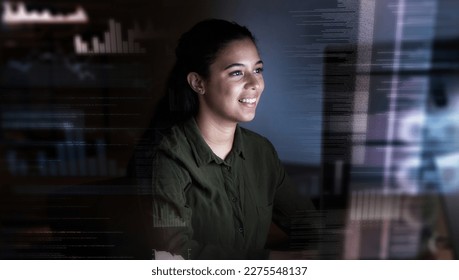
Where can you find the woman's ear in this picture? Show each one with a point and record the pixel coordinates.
(196, 82)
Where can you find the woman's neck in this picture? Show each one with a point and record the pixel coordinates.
(218, 136)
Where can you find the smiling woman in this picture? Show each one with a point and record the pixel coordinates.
(216, 187)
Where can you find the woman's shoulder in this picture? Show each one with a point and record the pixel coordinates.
(172, 152)
(173, 141)
(255, 140)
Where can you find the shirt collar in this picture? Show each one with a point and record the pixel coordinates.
(201, 151)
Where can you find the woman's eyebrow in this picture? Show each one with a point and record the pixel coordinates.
(240, 64)
(234, 65)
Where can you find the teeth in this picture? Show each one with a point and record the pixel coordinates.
(248, 100)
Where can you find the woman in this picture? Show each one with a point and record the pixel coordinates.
(216, 186)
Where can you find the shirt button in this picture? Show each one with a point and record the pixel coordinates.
(241, 230)
(234, 199)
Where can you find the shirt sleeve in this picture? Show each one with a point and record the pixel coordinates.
(171, 229)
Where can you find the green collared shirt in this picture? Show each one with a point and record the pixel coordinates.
(208, 208)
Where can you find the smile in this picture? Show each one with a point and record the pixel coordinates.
(248, 100)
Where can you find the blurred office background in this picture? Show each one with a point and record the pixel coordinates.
(361, 103)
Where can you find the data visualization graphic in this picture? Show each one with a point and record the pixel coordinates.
(22, 16)
(113, 42)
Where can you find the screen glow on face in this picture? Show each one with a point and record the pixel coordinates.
(235, 83)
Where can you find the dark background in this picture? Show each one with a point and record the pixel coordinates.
(70, 121)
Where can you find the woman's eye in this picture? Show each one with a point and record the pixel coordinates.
(259, 70)
(236, 73)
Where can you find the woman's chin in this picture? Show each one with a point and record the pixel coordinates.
(247, 118)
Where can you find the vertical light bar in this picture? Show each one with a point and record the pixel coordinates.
(393, 92)
(77, 43)
(95, 45)
(112, 32)
(119, 37)
(359, 120)
(393, 95)
(108, 47)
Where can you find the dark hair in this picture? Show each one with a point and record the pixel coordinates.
(196, 50)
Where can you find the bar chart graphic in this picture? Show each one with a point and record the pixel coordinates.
(113, 42)
(74, 155)
(22, 16)
(166, 217)
(71, 160)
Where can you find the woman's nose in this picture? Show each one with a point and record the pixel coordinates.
(252, 81)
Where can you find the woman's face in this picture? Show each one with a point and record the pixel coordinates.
(234, 85)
